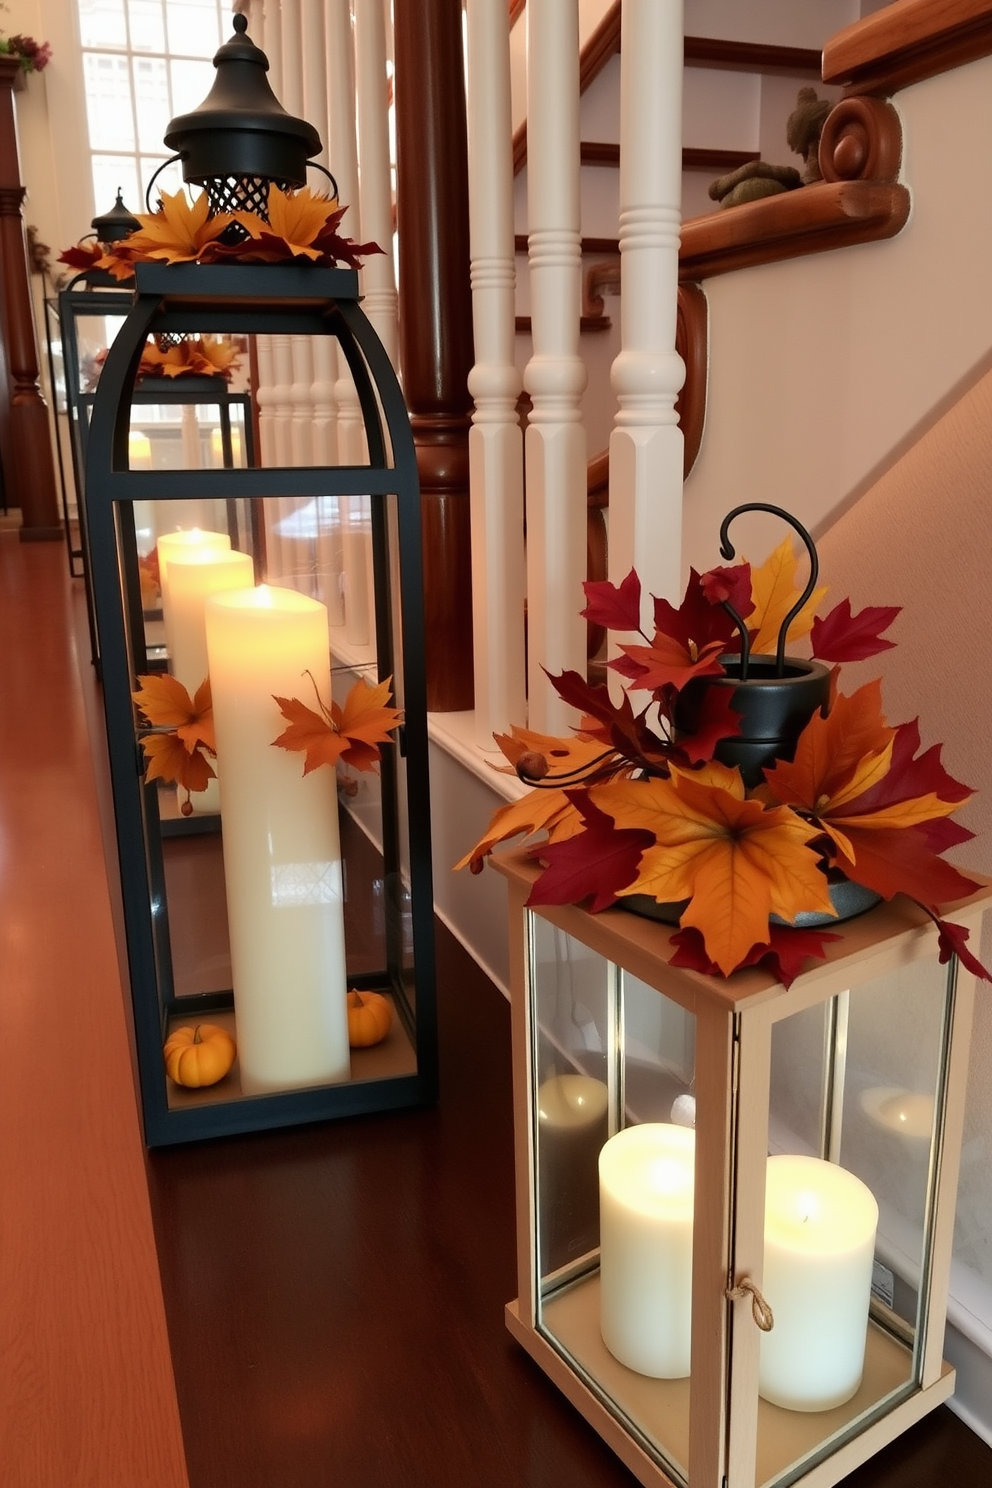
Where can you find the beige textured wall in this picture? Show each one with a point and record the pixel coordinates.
(921, 537)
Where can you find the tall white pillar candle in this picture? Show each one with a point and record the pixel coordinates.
(820, 1223)
(646, 1191)
(194, 574)
(195, 539)
(282, 858)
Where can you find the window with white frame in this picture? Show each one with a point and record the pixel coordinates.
(144, 62)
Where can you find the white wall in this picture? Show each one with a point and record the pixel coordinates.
(822, 370)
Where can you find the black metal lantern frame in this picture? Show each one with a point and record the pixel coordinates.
(388, 908)
(95, 296)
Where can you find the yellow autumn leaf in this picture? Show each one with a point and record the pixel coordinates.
(774, 591)
(294, 216)
(179, 231)
(736, 861)
(539, 810)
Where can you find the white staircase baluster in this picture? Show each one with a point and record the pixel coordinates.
(495, 439)
(555, 376)
(371, 214)
(646, 447)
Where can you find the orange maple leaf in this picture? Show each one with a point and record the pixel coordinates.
(295, 220)
(774, 591)
(577, 758)
(167, 758)
(736, 861)
(310, 733)
(839, 760)
(351, 733)
(548, 811)
(366, 721)
(166, 704)
(179, 232)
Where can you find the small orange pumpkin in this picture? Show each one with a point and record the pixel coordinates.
(199, 1056)
(370, 1017)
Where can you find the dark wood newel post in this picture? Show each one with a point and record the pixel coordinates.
(25, 441)
(435, 322)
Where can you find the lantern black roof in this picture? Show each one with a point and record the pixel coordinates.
(116, 224)
(241, 130)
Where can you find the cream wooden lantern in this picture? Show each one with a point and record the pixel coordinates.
(815, 1190)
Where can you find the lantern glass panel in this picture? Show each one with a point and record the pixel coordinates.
(286, 544)
(855, 1087)
(612, 1056)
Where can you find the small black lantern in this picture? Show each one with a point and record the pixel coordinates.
(82, 322)
(116, 225)
(240, 138)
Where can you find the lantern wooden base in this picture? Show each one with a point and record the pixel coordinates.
(662, 1406)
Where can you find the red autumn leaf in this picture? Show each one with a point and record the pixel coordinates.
(909, 777)
(729, 586)
(697, 623)
(613, 607)
(667, 662)
(612, 724)
(841, 636)
(784, 953)
(899, 860)
(951, 940)
(715, 720)
(593, 865)
(81, 255)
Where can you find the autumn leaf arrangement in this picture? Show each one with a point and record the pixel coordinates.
(193, 356)
(302, 227)
(637, 806)
(177, 731)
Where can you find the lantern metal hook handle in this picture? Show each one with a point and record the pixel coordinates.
(316, 165)
(727, 551)
(148, 189)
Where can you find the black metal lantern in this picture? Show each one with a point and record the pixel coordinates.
(82, 322)
(232, 915)
(240, 138)
(117, 224)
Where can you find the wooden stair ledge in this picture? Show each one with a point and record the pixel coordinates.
(812, 219)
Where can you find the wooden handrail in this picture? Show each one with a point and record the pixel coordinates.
(906, 42)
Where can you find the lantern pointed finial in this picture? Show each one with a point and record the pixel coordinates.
(240, 139)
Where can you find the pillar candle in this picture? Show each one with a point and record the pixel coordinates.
(820, 1223)
(646, 1191)
(282, 858)
(572, 1125)
(217, 446)
(195, 572)
(168, 543)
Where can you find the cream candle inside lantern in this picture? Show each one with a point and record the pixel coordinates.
(646, 1194)
(820, 1223)
(196, 572)
(282, 857)
(572, 1125)
(195, 539)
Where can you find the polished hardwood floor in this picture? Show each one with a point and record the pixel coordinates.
(291, 1309)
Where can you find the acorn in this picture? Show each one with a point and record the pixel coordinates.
(532, 766)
